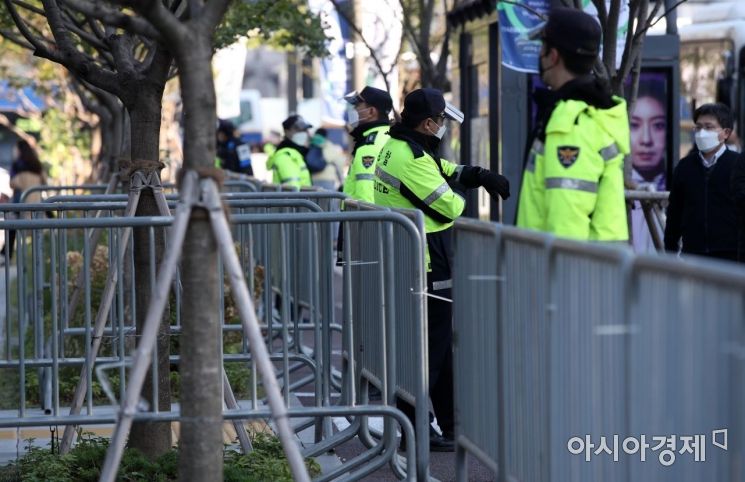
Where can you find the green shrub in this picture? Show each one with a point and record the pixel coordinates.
(85, 461)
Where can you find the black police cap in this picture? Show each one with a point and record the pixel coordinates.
(377, 98)
(572, 31)
(295, 122)
(226, 127)
(423, 103)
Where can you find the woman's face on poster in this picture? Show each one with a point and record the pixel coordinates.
(648, 133)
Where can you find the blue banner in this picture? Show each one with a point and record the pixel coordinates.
(515, 23)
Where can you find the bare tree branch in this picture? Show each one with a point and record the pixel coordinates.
(66, 52)
(12, 37)
(73, 26)
(602, 13)
(161, 18)
(121, 49)
(113, 17)
(175, 5)
(29, 7)
(96, 28)
(343, 14)
(41, 50)
(664, 15)
(212, 12)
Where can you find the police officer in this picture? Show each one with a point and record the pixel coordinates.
(288, 161)
(369, 124)
(410, 174)
(573, 179)
(233, 154)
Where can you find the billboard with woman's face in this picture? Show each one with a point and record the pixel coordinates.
(650, 142)
(648, 124)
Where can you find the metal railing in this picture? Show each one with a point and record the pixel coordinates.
(559, 343)
(289, 237)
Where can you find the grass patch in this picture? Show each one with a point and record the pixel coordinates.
(85, 461)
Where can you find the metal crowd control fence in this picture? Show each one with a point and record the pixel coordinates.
(391, 355)
(32, 265)
(42, 284)
(46, 191)
(559, 343)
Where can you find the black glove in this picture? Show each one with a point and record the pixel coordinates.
(495, 184)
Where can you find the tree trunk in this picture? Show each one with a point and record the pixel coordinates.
(152, 438)
(200, 457)
(115, 144)
(200, 445)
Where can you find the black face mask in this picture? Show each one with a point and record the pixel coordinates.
(434, 144)
(541, 70)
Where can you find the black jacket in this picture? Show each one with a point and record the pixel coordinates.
(702, 208)
(738, 193)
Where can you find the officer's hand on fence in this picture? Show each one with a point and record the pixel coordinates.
(495, 184)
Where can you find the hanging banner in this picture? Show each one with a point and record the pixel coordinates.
(623, 26)
(515, 23)
(518, 19)
(228, 66)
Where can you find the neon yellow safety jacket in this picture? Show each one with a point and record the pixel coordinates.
(288, 165)
(360, 179)
(407, 176)
(573, 184)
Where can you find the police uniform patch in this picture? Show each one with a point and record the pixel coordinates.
(567, 155)
(367, 161)
(387, 158)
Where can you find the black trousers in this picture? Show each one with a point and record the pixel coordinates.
(440, 334)
(9, 243)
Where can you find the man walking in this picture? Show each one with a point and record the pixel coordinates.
(702, 211)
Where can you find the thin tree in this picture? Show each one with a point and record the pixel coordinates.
(113, 51)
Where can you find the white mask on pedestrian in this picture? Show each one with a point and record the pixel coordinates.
(706, 140)
(300, 138)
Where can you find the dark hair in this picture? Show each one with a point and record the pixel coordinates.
(321, 131)
(574, 63)
(652, 88)
(28, 157)
(721, 112)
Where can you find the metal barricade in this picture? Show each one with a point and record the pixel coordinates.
(42, 335)
(45, 191)
(559, 343)
(687, 366)
(377, 288)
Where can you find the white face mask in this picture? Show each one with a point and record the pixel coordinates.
(440, 131)
(354, 119)
(706, 140)
(300, 138)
